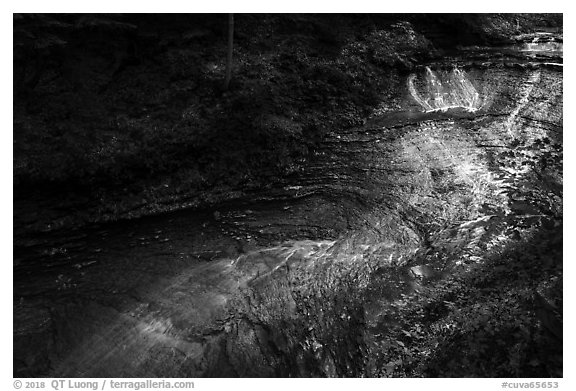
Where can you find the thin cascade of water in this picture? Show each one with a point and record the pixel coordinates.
(440, 91)
(535, 46)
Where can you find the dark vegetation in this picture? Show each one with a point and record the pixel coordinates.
(116, 113)
(118, 99)
(120, 111)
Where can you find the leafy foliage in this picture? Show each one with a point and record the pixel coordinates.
(125, 102)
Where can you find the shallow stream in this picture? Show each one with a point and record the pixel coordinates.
(280, 283)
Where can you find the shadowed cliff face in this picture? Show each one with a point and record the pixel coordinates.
(304, 279)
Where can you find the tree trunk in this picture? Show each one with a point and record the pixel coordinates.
(230, 48)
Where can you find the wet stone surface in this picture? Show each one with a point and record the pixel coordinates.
(298, 280)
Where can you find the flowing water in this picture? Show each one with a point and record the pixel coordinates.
(441, 90)
(295, 280)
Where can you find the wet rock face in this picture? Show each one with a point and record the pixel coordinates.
(298, 282)
(446, 90)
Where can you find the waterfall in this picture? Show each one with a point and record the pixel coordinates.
(440, 91)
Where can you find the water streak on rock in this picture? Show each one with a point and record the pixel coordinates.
(440, 91)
